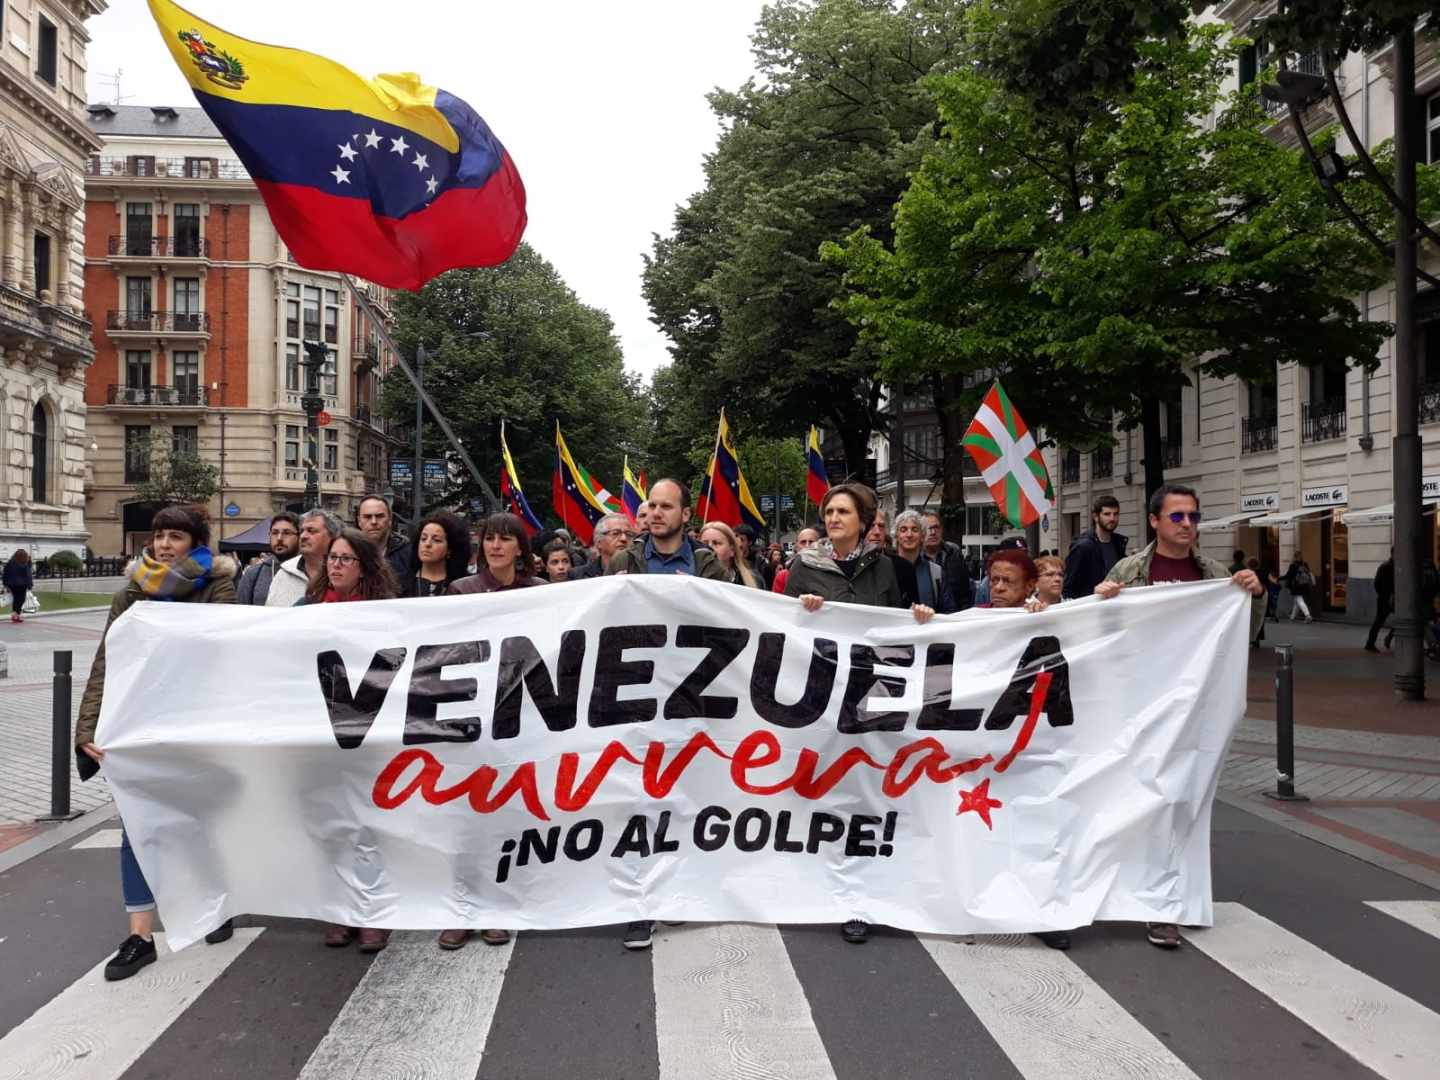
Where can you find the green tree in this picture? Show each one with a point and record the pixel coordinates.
(513, 343)
(1096, 258)
(174, 476)
(817, 145)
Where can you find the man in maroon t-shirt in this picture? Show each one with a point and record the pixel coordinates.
(1175, 517)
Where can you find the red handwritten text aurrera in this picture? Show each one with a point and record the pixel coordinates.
(921, 759)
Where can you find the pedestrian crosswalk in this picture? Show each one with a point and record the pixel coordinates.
(740, 1001)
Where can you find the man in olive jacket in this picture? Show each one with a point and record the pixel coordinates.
(665, 548)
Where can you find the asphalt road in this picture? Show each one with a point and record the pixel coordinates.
(1303, 976)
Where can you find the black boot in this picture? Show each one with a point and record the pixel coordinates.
(224, 932)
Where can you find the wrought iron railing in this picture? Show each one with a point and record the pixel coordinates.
(183, 396)
(1102, 463)
(159, 322)
(144, 246)
(1322, 420)
(1258, 434)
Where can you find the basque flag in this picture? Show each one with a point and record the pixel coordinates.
(724, 495)
(511, 494)
(385, 178)
(632, 493)
(578, 500)
(1010, 463)
(817, 480)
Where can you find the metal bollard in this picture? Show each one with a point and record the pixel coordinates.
(1285, 727)
(60, 740)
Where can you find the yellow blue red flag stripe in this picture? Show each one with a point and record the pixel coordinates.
(724, 494)
(817, 480)
(511, 493)
(385, 178)
(579, 501)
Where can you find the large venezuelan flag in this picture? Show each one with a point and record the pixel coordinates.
(578, 500)
(511, 493)
(385, 178)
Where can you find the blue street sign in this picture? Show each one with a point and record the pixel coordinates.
(232, 510)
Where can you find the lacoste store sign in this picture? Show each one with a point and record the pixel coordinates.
(1270, 500)
(1331, 495)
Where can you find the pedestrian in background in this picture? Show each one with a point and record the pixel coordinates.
(921, 579)
(19, 578)
(1384, 601)
(254, 586)
(613, 533)
(1095, 551)
(878, 533)
(177, 567)
(719, 538)
(440, 554)
(374, 518)
(293, 576)
(805, 539)
(1299, 579)
(954, 566)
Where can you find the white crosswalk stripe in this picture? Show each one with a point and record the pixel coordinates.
(1051, 1019)
(730, 1001)
(728, 1004)
(419, 1011)
(101, 838)
(95, 1030)
(1382, 1028)
(1421, 914)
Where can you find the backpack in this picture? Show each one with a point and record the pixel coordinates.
(1303, 578)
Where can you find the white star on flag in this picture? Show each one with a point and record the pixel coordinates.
(431, 185)
(421, 162)
(372, 139)
(341, 175)
(347, 152)
(399, 146)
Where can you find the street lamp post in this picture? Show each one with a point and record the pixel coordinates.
(1299, 90)
(313, 402)
(417, 480)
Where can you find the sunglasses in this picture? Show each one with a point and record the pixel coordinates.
(1178, 516)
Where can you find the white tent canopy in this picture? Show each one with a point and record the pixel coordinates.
(1219, 524)
(1378, 515)
(1289, 517)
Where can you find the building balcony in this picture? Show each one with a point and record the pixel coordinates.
(1321, 421)
(30, 325)
(141, 167)
(153, 248)
(160, 397)
(158, 323)
(1258, 434)
(1430, 403)
(366, 355)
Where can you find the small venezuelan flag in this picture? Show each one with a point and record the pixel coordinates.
(817, 480)
(385, 178)
(578, 499)
(511, 493)
(724, 494)
(633, 492)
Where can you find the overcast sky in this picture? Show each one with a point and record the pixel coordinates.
(602, 105)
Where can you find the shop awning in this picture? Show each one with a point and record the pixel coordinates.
(1219, 524)
(1379, 515)
(1289, 517)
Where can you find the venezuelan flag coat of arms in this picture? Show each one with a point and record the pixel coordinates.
(385, 178)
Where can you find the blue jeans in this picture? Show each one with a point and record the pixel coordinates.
(136, 890)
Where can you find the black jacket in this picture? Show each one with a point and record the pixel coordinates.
(1385, 581)
(955, 577)
(19, 576)
(399, 555)
(1085, 565)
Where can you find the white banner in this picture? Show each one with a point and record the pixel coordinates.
(663, 747)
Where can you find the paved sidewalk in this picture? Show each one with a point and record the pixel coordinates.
(25, 707)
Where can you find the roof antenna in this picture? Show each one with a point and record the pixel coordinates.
(116, 97)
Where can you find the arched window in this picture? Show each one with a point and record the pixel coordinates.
(40, 454)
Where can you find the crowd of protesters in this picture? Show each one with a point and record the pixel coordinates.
(856, 556)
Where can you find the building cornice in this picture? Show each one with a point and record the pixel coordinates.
(51, 112)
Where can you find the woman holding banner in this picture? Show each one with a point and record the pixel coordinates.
(851, 571)
(505, 558)
(177, 567)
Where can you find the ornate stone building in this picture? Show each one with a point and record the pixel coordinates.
(45, 344)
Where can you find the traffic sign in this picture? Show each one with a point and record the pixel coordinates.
(323, 418)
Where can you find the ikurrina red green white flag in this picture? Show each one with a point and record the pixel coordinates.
(1009, 461)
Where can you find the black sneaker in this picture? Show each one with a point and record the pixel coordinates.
(637, 934)
(1056, 939)
(134, 953)
(855, 931)
(224, 932)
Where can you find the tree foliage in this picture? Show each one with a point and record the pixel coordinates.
(513, 343)
(1344, 26)
(174, 476)
(1096, 257)
(818, 144)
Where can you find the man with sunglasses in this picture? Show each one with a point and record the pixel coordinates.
(1175, 517)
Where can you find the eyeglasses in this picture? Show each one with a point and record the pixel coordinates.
(341, 560)
(1178, 516)
(617, 532)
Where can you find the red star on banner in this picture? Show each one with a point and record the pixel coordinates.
(979, 800)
